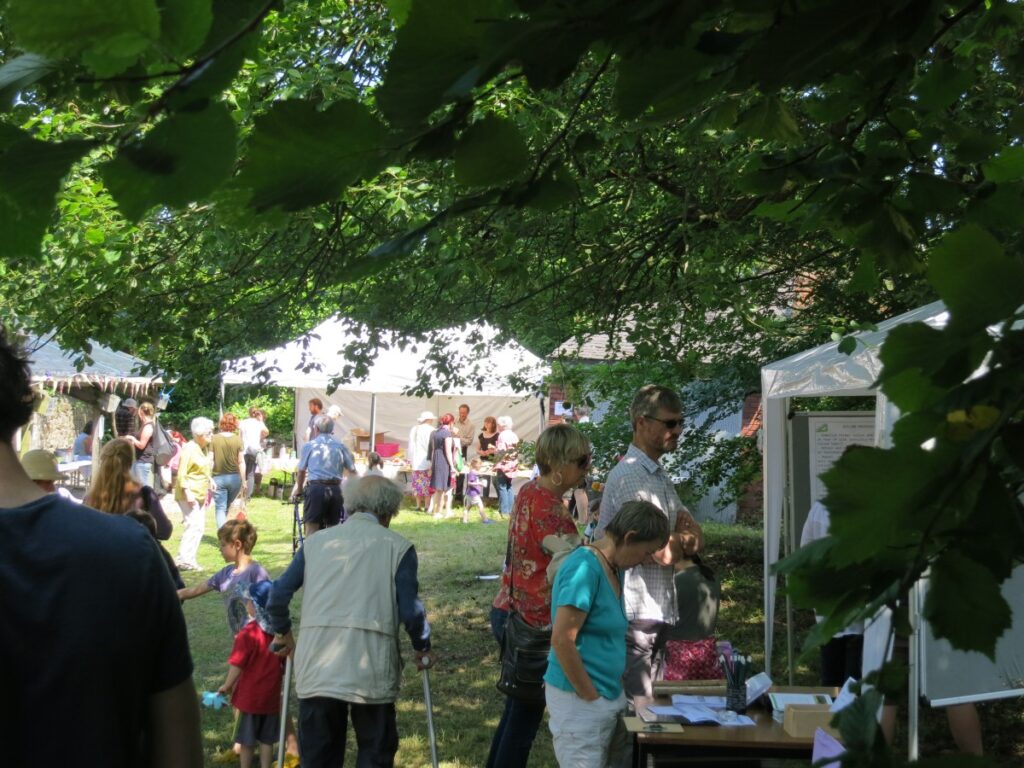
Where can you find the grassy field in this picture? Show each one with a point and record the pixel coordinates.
(466, 704)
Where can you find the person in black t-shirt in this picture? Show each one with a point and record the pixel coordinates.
(94, 656)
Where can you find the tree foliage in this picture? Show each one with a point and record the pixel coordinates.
(715, 183)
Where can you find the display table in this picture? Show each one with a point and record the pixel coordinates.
(73, 472)
(672, 744)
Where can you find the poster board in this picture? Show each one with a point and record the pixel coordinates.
(818, 440)
(949, 676)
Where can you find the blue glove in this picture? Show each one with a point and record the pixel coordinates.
(214, 699)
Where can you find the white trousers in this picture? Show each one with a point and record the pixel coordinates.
(588, 734)
(194, 518)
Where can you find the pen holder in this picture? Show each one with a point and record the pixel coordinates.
(736, 698)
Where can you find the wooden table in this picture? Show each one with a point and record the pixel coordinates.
(760, 744)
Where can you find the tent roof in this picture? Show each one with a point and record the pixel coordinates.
(316, 358)
(824, 370)
(50, 363)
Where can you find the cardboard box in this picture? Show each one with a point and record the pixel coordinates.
(801, 720)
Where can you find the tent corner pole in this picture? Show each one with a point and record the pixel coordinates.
(373, 421)
(221, 403)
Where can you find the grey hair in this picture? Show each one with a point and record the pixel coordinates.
(504, 421)
(323, 424)
(641, 518)
(652, 397)
(374, 494)
(201, 426)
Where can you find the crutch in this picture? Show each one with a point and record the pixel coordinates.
(284, 710)
(297, 536)
(430, 712)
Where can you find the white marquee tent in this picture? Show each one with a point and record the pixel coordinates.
(822, 371)
(378, 399)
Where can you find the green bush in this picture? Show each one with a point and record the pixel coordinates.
(277, 402)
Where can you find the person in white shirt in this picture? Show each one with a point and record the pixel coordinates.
(253, 431)
(419, 458)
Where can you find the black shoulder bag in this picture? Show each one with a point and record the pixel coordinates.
(524, 648)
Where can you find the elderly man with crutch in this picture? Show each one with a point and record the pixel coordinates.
(360, 583)
(318, 478)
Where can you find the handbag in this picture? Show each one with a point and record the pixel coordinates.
(524, 649)
(237, 509)
(698, 594)
(524, 659)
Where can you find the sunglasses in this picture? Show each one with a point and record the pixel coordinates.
(584, 461)
(669, 423)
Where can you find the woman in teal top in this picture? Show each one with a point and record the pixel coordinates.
(583, 684)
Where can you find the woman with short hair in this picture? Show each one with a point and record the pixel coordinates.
(191, 490)
(583, 684)
(563, 455)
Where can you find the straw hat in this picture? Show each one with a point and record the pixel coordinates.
(40, 465)
(426, 416)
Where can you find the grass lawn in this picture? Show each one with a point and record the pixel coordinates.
(466, 704)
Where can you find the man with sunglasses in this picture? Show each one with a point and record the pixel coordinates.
(649, 592)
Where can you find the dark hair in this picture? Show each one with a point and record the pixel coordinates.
(651, 397)
(238, 530)
(87, 427)
(446, 420)
(643, 519)
(317, 402)
(464, 405)
(374, 460)
(16, 397)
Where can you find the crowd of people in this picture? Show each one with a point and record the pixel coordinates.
(125, 689)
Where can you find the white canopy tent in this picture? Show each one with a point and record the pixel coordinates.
(377, 402)
(816, 373)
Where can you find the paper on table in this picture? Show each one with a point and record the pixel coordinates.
(845, 698)
(826, 747)
(698, 714)
(715, 702)
(781, 700)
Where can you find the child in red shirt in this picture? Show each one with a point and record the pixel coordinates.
(254, 680)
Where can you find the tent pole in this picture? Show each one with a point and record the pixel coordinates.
(373, 421)
(221, 396)
(788, 535)
(914, 673)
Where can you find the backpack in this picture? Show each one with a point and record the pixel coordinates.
(163, 445)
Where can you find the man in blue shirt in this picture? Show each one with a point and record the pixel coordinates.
(318, 477)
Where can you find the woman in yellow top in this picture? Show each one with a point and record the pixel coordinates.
(191, 489)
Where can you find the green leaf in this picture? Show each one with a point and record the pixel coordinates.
(911, 390)
(95, 236)
(911, 346)
(438, 47)
(184, 25)
(963, 587)
(30, 177)
(656, 74)
(107, 36)
(300, 156)
(770, 119)
(399, 10)
(555, 189)
(786, 210)
(999, 209)
(942, 84)
(978, 282)
(490, 152)
(933, 194)
(865, 277)
(1008, 165)
(22, 71)
(181, 160)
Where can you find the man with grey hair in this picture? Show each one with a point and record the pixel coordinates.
(359, 584)
(318, 477)
(649, 591)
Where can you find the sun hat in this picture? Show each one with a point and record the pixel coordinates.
(426, 416)
(130, 403)
(40, 465)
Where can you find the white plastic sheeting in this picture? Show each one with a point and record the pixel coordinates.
(309, 363)
(822, 371)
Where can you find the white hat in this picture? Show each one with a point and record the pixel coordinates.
(426, 416)
(40, 465)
